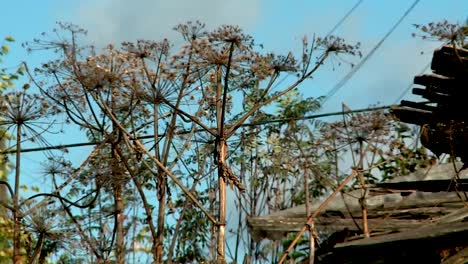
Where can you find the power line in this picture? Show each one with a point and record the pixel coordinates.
(348, 76)
(337, 25)
(340, 22)
(282, 120)
(258, 123)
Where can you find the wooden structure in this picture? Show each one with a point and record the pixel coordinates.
(443, 116)
(420, 218)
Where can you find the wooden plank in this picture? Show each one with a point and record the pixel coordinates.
(426, 92)
(273, 228)
(445, 62)
(411, 115)
(463, 52)
(418, 105)
(436, 97)
(444, 112)
(418, 213)
(278, 228)
(436, 80)
(429, 233)
(417, 245)
(443, 84)
(394, 216)
(455, 216)
(376, 225)
(427, 185)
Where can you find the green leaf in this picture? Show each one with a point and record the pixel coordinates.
(5, 49)
(9, 38)
(297, 254)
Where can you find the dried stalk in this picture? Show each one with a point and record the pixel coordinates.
(139, 147)
(363, 198)
(146, 205)
(311, 226)
(177, 227)
(92, 243)
(311, 218)
(44, 202)
(17, 259)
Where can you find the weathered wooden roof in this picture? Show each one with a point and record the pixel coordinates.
(404, 207)
(432, 231)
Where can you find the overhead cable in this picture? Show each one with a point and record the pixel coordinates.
(356, 68)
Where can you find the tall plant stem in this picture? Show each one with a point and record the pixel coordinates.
(221, 158)
(16, 218)
(312, 217)
(170, 251)
(311, 226)
(363, 199)
(161, 192)
(120, 251)
(222, 203)
(221, 104)
(117, 185)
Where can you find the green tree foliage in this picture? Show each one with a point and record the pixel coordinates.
(6, 81)
(7, 78)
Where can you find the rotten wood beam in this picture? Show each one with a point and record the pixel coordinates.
(413, 116)
(418, 105)
(446, 61)
(427, 185)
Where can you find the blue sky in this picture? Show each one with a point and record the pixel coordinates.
(279, 25)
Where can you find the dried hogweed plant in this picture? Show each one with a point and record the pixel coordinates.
(150, 107)
(24, 115)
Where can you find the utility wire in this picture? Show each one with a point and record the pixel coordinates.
(282, 120)
(337, 25)
(340, 22)
(411, 84)
(348, 76)
(259, 123)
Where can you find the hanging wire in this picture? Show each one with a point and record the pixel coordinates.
(356, 68)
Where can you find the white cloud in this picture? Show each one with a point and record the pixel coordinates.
(114, 21)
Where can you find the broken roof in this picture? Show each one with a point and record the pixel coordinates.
(427, 196)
